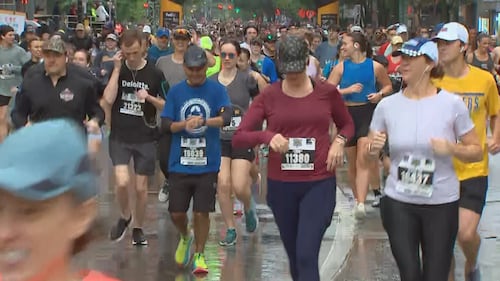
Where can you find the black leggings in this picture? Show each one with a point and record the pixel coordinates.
(432, 228)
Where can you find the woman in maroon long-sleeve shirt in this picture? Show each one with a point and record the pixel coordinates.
(301, 166)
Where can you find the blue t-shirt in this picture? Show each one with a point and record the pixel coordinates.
(197, 151)
(154, 53)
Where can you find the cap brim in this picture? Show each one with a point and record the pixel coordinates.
(23, 185)
(195, 64)
(55, 51)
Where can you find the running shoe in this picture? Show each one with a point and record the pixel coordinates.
(119, 229)
(163, 194)
(230, 238)
(251, 219)
(199, 264)
(183, 252)
(474, 275)
(376, 200)
(237, 208)
(360, 211)
(138, 237)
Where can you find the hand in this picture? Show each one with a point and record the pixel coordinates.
(493, 147)
(322, 78)
(117, 59)
(441, 147)
(356, 88)
(142, 94)
(279, 143)
(335, 156)
(377, 143)
(93, 127)
(193, 122)
(375, 98)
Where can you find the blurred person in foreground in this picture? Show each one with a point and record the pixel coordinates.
(55, 203)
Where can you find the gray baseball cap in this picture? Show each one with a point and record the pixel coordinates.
(195, 57)
(293, 54)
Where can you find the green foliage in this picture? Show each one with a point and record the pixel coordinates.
(130, 10)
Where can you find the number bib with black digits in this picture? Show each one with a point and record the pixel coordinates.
(193, 151)
(132, 105)
(415, 176)
(300, 155)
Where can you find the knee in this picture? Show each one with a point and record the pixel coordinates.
(467, 235)
(200, 216)
(178, 216)
(122, 183)
(223, 186)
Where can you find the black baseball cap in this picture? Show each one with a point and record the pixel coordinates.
(195, 57)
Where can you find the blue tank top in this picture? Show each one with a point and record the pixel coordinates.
(358, 73)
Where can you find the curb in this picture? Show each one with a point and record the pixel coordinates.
(343, 239)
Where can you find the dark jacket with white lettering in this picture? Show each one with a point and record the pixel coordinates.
(73, 97)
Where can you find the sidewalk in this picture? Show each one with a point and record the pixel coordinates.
(369, 257)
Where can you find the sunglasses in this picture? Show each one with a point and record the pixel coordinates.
(227, 55)
(182, 31)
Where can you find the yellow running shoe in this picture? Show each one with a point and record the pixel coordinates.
(199, 264)
(183, 252)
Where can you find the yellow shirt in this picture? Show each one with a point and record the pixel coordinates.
(479, 92)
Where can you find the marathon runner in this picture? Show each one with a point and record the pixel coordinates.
(301, 166)
(47, 193)
(478, 91)
(357, 77)
(196, 110)
(236, 164)
(420, 209)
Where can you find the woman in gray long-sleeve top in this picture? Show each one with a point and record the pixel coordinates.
(12, 58)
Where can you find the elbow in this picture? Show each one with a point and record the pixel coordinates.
(477, 154)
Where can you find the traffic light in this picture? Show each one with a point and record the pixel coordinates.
(237, 10)
(24, 2)
(145, 5)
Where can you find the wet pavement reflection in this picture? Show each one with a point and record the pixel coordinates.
(258, 256)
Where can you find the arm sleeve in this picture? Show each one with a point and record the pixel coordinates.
(21, 110)
(246, 135)
(92, 107)
(340, 115)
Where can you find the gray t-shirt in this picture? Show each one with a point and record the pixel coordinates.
(240, 92)
(410, 125)
(173, 72)
(326, 53)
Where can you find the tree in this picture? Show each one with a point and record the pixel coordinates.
(130, 10)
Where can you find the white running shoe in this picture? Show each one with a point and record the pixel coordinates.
(360, 211)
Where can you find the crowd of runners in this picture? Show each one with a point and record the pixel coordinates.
(413, 116)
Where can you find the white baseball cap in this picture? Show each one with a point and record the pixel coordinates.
(146, 29)
(453, 31)
(402, 29)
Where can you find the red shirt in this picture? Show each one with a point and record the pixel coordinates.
(382, 49)
(90, 275)
(307, 117)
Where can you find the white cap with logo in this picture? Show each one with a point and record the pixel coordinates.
(453, 31)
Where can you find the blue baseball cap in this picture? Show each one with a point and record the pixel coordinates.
(45, 160)
(419, 47)
(162, 32)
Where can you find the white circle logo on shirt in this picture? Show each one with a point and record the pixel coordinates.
(195, 107)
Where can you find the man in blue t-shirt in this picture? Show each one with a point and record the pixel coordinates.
(196, 110)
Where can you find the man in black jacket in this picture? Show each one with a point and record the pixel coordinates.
(57, 90)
